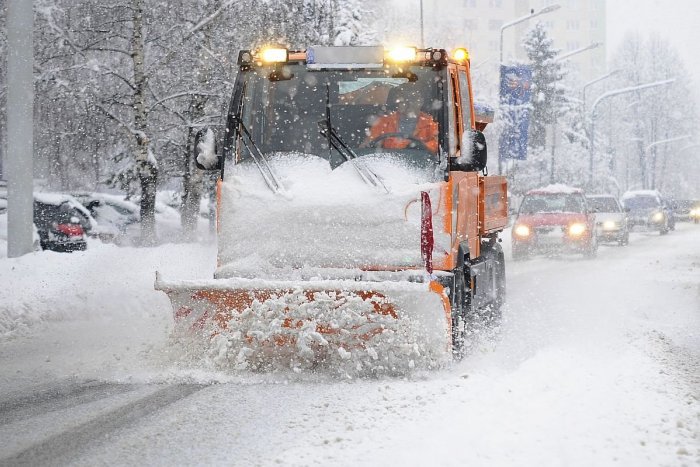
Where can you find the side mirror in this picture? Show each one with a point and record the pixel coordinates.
(474, 160)
(205, 156)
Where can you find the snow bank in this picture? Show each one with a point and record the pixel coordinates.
(103, 281)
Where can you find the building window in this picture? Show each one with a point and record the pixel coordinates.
(496, 3)
(469, 3)
(572, 45)
(495, 24)
(573, 25)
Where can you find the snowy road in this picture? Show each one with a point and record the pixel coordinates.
(597, 363)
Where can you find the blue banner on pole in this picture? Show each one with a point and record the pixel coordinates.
(515, 93)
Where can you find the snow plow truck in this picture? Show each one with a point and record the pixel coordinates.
(356, 220)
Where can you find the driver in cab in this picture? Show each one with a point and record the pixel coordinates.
(407, 126)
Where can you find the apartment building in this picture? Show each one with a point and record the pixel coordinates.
(477, 24)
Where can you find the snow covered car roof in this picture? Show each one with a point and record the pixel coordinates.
(633, 193)
(555, 188)
(57, 199)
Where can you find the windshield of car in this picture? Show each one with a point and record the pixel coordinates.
(552, 202)
(64, 213)
(641, 202)
(603, 204)
(284, 115)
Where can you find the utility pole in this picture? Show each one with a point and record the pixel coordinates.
(20, 131)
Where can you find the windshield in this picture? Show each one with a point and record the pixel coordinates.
(552, 202)
(603, 204)
(641, 202)
(371, 110)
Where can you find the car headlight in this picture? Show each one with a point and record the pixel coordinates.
(694, 212)
(577, 229)
(657, 216)
(610, 225)
(522, 230)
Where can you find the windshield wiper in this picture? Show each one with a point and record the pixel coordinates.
(337, 143)
(349, 155)
(260, 160)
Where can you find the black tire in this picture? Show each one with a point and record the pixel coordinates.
(460, 307)
(495, 253)
(591, 250)
(625, 240)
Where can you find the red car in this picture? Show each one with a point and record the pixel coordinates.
(554, 219)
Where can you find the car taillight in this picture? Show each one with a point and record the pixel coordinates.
(426, 232)
(72, 230)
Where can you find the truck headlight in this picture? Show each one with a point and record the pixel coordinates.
(657, 216)
(522, 231)
(577, 229)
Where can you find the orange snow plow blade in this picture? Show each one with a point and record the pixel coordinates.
(315, 321)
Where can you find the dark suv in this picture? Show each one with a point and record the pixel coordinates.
(648, 209)
(59, 227)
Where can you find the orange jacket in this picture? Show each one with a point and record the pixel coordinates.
(426, 131)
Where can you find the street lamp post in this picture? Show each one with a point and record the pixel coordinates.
(507, 25)
(597, 80)
(646, 155)
(590, 46)
(522, 19)
(615, 92)
(20, 121)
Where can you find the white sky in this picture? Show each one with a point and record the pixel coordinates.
(678, 21)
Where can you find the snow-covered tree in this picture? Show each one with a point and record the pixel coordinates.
(637, 121)
(548, 94)
(350, 24)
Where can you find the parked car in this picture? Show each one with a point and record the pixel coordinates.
(59, 226)
(122, 217)
(688, 210)
(647, 209)
(554, 219)
(118, 217)
(611, 219)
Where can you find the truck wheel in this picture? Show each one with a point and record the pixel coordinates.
(495, 253)
(461, 306)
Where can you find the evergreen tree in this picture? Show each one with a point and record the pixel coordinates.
(548, 94)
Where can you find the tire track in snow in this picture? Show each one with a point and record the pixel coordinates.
(63, 395)
(60, 449)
